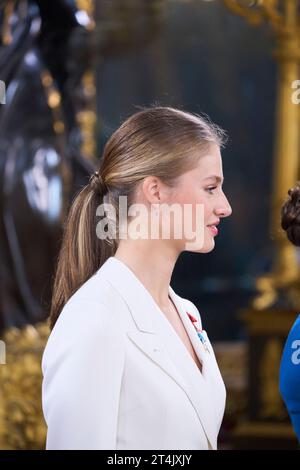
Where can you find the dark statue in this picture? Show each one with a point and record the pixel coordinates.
(44, 52)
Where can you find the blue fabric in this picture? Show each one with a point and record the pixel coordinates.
(289, 380)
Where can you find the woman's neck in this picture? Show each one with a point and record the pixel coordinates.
(152, 266)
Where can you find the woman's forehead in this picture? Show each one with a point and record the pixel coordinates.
(209, 166)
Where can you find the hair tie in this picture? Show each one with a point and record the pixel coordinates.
(100, 184)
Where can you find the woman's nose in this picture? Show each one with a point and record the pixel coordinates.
(224, 210)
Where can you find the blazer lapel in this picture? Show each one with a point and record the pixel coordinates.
(155, 336)
(191, 331)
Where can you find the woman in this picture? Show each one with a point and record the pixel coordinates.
(127, 365)
(290, 362)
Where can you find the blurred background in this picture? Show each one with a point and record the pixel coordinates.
(71, 72)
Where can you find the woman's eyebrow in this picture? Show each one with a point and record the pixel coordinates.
(215, 177)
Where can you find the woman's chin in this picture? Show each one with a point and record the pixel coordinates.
(206, 247)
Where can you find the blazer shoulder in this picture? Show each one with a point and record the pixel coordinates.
(84, 320)
(191, 308)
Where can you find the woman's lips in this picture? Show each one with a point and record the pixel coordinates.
(213, 230)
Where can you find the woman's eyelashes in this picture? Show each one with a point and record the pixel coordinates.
(211, 189)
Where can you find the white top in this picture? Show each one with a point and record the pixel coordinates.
(118, 376)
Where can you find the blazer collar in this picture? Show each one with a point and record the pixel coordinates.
(163, 345)
(141, 304)
(137, 297)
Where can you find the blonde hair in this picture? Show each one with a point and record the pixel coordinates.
(160, 141)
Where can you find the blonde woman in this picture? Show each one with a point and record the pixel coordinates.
(127, 364)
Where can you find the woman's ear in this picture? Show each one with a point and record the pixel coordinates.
(152, 188)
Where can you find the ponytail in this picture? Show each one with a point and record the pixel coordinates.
(82, 253)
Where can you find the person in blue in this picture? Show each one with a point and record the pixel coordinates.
(289, 375)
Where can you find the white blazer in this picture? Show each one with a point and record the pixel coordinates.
(118, 376)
